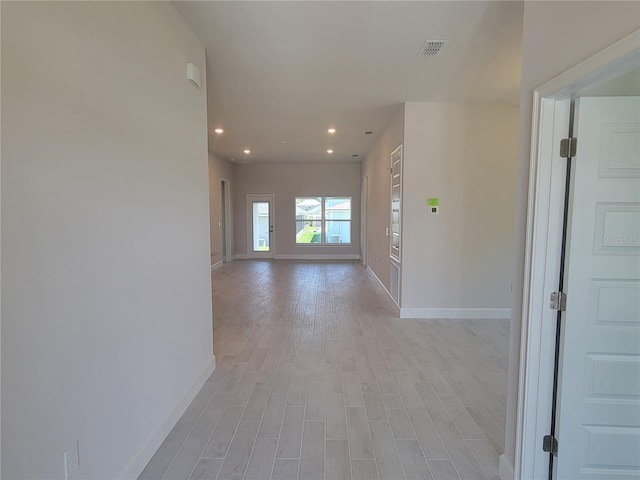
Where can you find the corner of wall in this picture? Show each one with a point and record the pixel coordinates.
(396, 307)
(99, 207)
(139, 462)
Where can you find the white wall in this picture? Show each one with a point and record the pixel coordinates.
(106, 312)
(286, 182)
(219, 168)
(0, 257)
(551, 45)
(376, 166)
(465, 155)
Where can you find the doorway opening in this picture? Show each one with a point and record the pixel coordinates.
(226, 223)
(579, 392)
(363, 219)
(260, 230)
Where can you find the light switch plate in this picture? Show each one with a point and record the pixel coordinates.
(193, 74)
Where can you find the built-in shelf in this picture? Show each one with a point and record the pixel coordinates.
(396, 204)
(395, 224)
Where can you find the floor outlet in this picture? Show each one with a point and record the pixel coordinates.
(71, 460)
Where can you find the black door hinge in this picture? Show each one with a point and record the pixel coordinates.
(568, 147)
(550, 445)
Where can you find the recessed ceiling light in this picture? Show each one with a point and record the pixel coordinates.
(332, 130)
(219, 131)
(367, 132)
(247, 151)
(283, 141)
(329, 151)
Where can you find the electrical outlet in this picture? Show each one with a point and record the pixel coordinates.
(71, 460)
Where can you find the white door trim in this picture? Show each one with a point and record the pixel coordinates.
(542, 256)
(364, 218)
(260, 197)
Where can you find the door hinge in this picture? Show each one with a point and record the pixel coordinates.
(568, 147)
(558, 301)
(550, 445)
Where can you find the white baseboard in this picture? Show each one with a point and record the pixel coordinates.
(395, 305)
(505, 469)
(217, 265)
(457, 313)
(353, 256)
(136, 466)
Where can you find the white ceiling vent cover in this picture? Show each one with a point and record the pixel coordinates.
(431, 48)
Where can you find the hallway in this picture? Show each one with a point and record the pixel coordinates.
(317, 379)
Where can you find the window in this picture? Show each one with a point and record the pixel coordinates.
(323, 220)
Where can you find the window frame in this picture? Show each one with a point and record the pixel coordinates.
(323, 220)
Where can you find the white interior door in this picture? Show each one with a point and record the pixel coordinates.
(260, 228)
(598, 417)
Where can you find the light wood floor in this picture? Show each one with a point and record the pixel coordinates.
(317, 379)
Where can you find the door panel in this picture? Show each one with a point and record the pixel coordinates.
(598, 421)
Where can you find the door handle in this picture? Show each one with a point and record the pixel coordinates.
(270, 228)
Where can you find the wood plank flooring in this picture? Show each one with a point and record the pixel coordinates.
(317, 379)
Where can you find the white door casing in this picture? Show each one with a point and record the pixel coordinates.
(266, 236)
(542, 257)
(364, 201)
(598, 417)
(227, 219)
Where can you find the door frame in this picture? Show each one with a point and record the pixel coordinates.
(551, 111)
(364, 218)
(227, 238)
(251, 197)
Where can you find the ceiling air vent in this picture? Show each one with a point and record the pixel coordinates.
(431, 48)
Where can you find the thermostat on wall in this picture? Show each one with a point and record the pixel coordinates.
(433, 206)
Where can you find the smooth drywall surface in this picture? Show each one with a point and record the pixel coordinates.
(551, 45)
(376, 166)
(106, 312)
(0, 256)
(286, 182)
(466, 156)
(219, 169)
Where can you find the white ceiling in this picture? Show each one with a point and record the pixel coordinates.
(287, 71)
